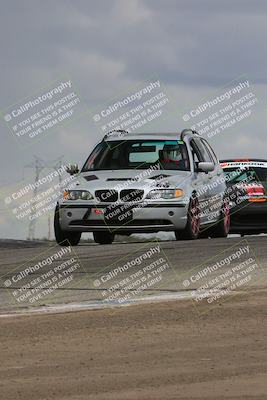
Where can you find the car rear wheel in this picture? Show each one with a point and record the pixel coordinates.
(192, 228)
(103, 237)
(64, 238)
(221, 229)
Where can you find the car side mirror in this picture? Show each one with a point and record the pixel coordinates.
(72, 169)
(206, 167)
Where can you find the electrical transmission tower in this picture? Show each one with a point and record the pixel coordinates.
(39, 165)
(49, 228)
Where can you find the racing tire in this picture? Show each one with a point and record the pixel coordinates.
(103, 237)
(221, 229)
(64, 238)
(192, 228)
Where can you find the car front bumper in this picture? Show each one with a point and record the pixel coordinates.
(250, 217)
(148, 217)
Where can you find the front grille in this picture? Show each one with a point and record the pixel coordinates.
(106, 195)
(129, 195)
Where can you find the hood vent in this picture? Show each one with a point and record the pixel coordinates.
(90, 177)
(158, 177)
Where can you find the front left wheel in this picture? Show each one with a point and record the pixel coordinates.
(192, 228)
(64, 238)
(221, 229)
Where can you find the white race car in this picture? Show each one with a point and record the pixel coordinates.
(145, 183)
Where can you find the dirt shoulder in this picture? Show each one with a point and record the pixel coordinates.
(156, 351)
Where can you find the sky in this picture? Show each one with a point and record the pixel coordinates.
(196, 49)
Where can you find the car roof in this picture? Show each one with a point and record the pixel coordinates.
(238, 160)
(244, 162)
(144, 136)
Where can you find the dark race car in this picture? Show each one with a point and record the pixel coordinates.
(246, 181)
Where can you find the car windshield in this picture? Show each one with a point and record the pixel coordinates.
(247, 175)
(138, 154)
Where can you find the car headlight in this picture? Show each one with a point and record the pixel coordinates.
(77, 195)
(165, 194)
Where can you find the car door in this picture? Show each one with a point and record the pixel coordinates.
(216, 183)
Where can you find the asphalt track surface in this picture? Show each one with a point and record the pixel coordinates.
(150, 351)
(87, 278)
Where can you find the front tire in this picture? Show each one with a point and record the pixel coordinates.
(192, 228)
(103, 237)
(64, 238)
(221, 229)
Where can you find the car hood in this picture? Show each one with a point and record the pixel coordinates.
(120, 179)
